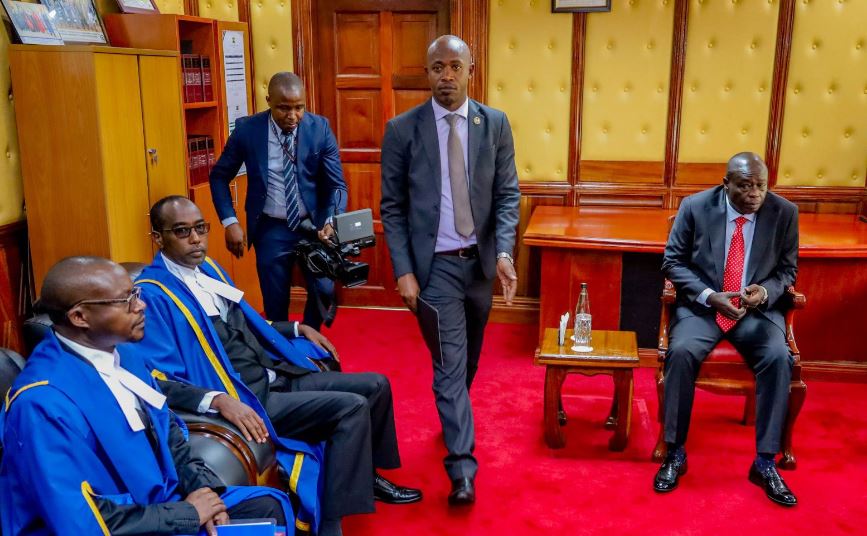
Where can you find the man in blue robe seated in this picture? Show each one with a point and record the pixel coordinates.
(201, 331)
(90, 445)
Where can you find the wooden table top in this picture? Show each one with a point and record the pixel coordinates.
(611, 349)
(646, 230)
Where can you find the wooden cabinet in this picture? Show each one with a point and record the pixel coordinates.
(201, 36)
(99, 137)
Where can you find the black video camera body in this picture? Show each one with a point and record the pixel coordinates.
(353, 231)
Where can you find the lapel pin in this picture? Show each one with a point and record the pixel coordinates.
(477, 120)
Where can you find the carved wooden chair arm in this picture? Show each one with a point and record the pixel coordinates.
(799, 301)
(669, 296)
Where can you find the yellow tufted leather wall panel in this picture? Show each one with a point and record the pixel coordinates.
(824, 140)
(219, 9)
(170, 6)
(727, 78)
(11, 188)
(271, 25)
(626, 76)
(529, 78)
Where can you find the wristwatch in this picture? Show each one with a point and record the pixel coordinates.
(504, 255)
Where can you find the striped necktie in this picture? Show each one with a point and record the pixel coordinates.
(293, 211)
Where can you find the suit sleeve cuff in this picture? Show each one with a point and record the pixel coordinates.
(205, 404)
(229, 221)
(702, 298)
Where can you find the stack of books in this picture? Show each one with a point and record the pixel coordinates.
(196, 75)
(201, 157)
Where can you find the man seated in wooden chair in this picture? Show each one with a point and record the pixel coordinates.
(90, 444)
(731, 254)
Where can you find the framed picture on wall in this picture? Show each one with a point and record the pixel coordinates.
(137, 6)
(32, 23)
(77, 21)
(577, 6)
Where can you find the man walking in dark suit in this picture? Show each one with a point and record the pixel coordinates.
(449, 209)
(732, 253)
(295, 186)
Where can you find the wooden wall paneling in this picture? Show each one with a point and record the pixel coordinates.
(579, 32)
(191, 7)
(600, 194)
(783, 53)
(709, 174)
(601, 270)
(528, 261)
(675, 88)
(621, 171)
(14, 284)
(469, 21)
(303, 21)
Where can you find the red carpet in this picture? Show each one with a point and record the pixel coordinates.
(525, 488)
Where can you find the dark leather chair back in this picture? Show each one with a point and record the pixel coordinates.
(10, 365)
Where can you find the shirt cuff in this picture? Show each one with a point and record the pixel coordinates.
(295, 328)
(765, 299)
(702, 298)
(229, 221)
(205, 404)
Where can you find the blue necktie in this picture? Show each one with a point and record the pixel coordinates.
(293, 211)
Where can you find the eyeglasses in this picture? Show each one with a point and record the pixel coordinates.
(184, 232)
(130, 300)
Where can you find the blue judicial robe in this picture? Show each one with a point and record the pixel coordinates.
(66, 441)
(181, 343)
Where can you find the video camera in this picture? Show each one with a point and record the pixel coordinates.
(353, 231)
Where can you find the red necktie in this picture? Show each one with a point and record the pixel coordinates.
(734, 272)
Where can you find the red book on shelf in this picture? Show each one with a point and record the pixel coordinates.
(202, 160)
(212, 156)
(196, 78)
(207, 86)
(187, 76)
(191, 157)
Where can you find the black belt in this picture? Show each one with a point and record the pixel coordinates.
(470, 252)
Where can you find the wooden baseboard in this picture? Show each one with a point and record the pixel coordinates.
(835, 371)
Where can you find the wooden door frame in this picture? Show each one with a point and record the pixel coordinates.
(467, 19)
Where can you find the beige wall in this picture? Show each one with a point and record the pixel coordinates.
(824, 137)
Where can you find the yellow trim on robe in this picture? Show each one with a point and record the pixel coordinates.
(200, 335)
(88, 493)
(301, 525)
(19, 391)
(216, 269)
(296, 472)
(159, 375)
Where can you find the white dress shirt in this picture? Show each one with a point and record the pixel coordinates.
(448, 237)
(126, 387)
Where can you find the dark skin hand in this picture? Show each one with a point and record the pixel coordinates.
(208, 505)
(236, 240)
(721, 301)
(752, 296)
(318, 339)
(407, 287)
(241, 415)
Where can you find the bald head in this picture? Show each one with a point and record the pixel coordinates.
(449, 67)
(449, 43)
(74, 279)
(285, 82)
(746, 182)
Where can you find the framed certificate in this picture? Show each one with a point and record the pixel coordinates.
(577, 6)
(138, 6)
(33, 24)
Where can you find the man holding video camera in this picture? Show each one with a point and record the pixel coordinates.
(295, 187)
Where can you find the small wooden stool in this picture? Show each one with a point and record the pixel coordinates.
(614, 353)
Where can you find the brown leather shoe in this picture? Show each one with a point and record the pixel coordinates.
(463, 492)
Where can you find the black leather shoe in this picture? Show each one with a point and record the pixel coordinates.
(671, 470)
(773, 484)
(390, 493)
(463, 492)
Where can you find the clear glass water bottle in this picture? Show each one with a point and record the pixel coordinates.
(581, 334)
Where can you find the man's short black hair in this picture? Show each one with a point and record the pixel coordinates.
(157, 219)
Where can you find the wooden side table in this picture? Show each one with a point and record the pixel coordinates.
(614, 353)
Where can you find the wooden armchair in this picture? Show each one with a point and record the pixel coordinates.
(725, 372)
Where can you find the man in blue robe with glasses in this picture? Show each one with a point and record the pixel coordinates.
(90, 444)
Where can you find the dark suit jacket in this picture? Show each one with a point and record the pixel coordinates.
(694, 255)
(319, 173)
(412, 186)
